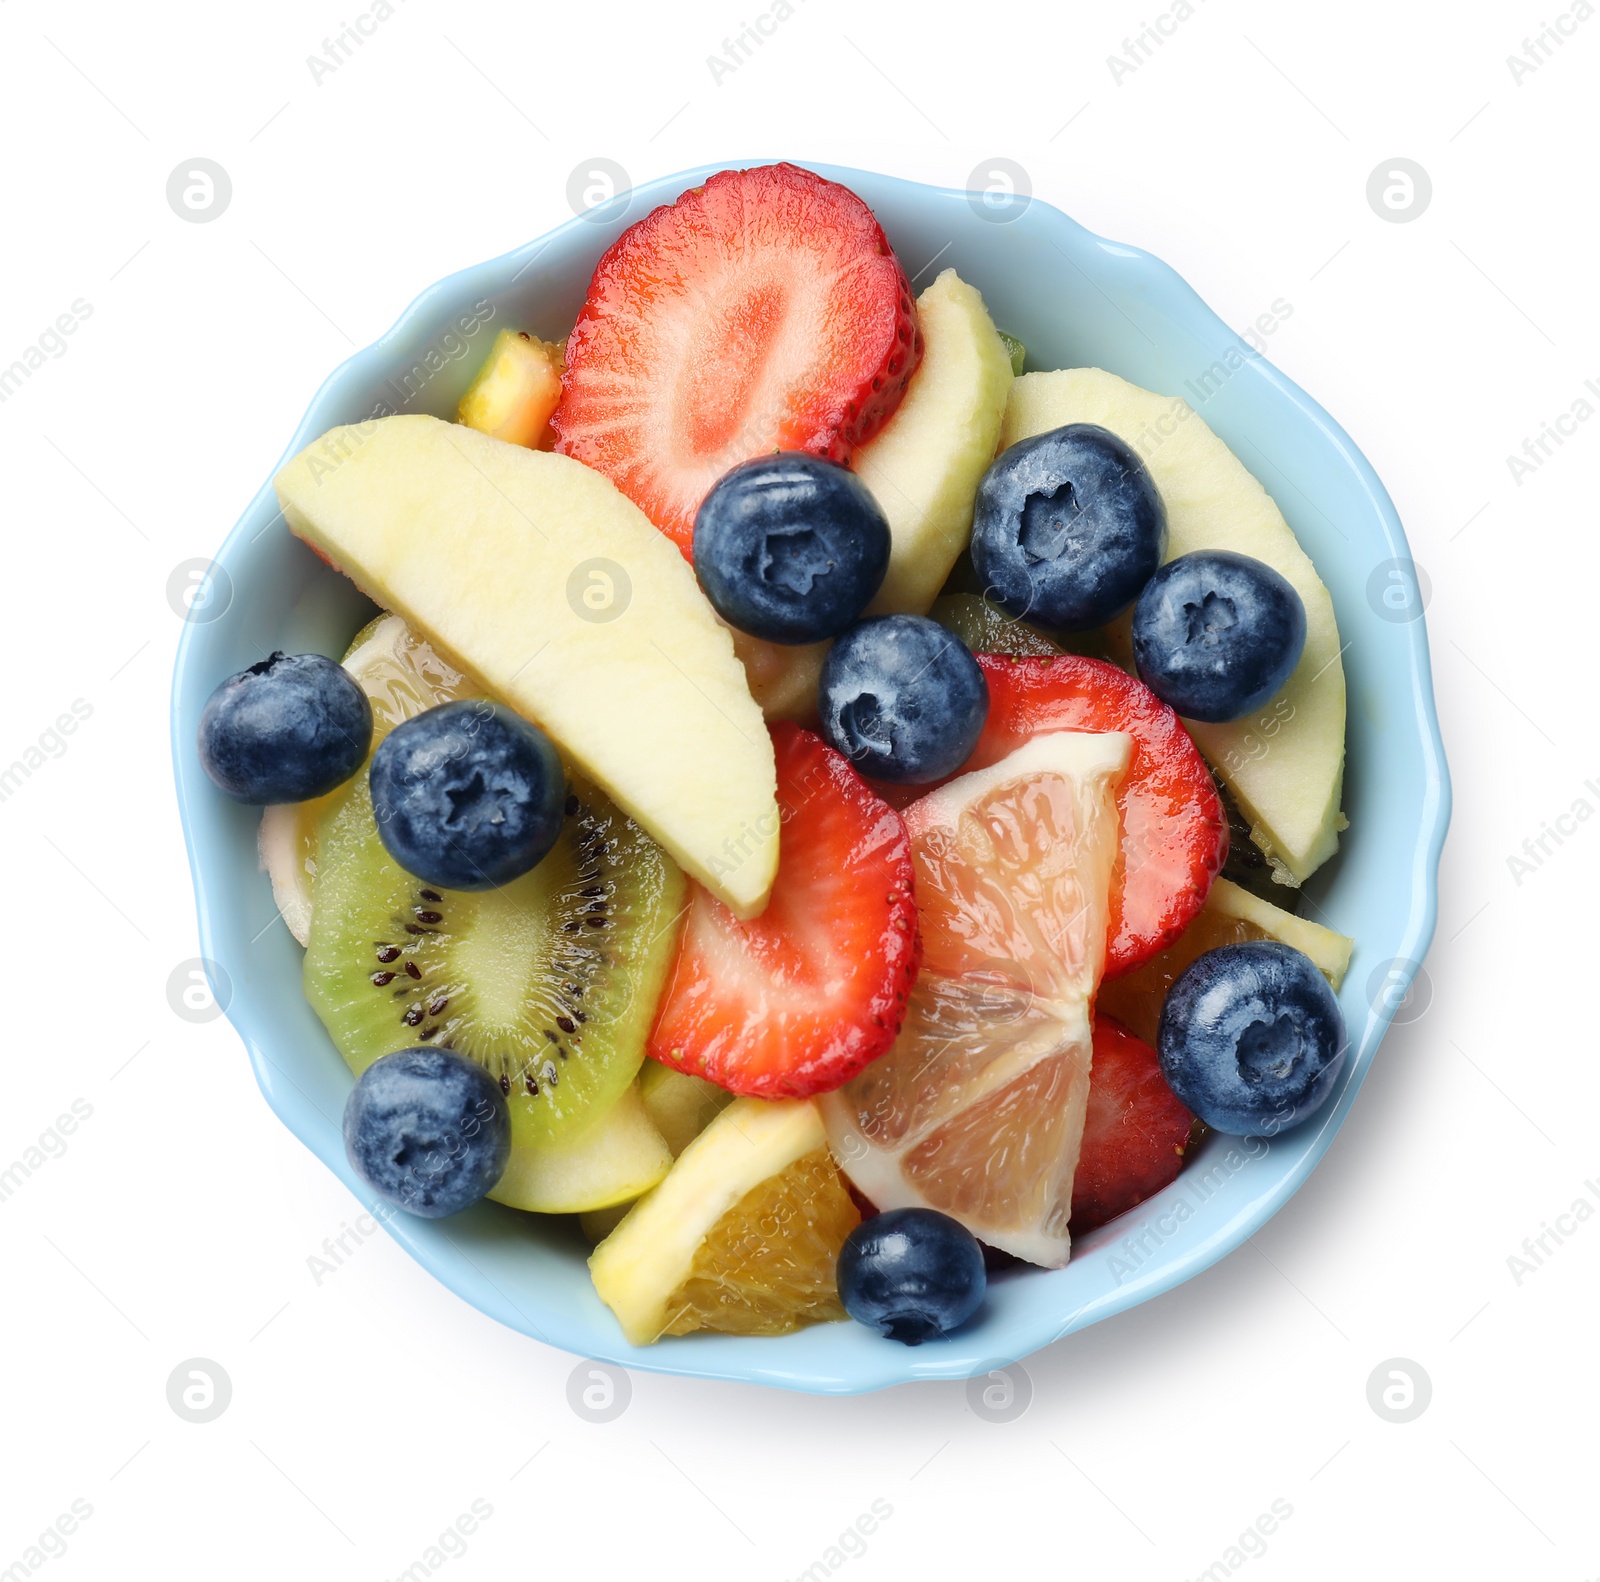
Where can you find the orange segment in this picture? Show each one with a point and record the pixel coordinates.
(742, 1235)
(977, 1110)
(767, 1266)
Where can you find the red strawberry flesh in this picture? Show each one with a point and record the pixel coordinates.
(797, 1001)
(1174, 830)
(1135, 1132)
(763, 311)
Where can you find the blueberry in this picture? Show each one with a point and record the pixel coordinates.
(467, 795)
(285, 730)
(790, 547)
(1217, 634)
(902, 698)
(912, 1274)
(427, 1129)
(1068, 527)
(1251, 1038)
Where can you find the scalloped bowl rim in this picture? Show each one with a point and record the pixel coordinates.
(844, 1360)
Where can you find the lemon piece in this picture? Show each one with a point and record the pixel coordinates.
(741, 1237)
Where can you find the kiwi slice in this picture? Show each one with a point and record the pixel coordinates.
(987, 629)
(549, 982)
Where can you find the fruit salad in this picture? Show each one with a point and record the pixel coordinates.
(799, 812)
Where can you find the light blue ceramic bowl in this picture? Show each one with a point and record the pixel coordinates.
(1075, 300)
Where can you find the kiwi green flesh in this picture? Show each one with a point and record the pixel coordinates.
(550, 982)
(987, 629)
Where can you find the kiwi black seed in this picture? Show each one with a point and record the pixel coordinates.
(499, 974)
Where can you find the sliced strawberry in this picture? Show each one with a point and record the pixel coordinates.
(1134, 1134)
(763, 311)
(798, 1001)
(1174, 830)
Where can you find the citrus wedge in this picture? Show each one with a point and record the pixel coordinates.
(741, 1237)
(978, 1108)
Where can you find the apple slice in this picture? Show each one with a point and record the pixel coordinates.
(535, 575)
(923, 468)
(925, 465)
(1285, 763)
(612, 1162)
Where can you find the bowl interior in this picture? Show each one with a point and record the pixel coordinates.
(1075, 300)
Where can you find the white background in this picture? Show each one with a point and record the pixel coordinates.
(370, 1411)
